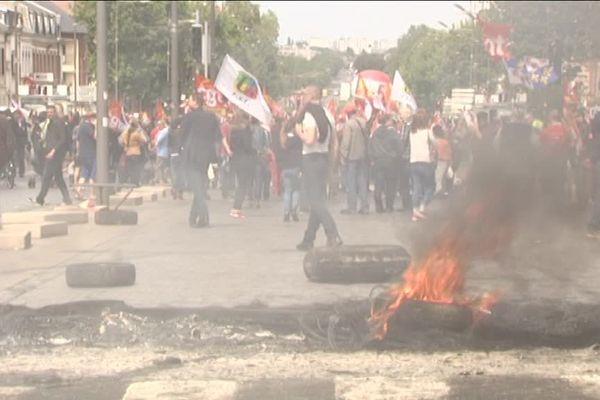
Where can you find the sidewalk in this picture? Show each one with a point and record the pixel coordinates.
(232, 263)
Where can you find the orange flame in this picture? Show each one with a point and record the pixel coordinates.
(440, 276)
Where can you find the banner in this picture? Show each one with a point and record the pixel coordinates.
(495, 39)
(242, 89)
(531, 72)
(118, 122)
(213, 99)
(373, 86)
(401, 94)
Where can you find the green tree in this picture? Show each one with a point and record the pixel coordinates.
(366, 61)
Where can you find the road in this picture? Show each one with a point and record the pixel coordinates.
(51, 349)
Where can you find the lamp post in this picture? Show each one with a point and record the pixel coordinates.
(174, 63)
(101, 99)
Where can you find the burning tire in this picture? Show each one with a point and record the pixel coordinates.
(356, 264)
(116, 217)
(89, 275)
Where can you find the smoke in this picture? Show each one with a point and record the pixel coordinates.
(507, 227)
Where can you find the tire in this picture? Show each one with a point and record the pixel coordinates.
(116, 217)
(356, 264)
(89, 275)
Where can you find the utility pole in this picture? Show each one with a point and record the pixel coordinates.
(174, 63)
(101, 99)
(116, 4)
(209, 40)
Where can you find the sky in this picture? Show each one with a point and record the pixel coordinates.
(368, 19)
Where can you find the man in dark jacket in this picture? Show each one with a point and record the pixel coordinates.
(8, 141)
(384, 148)
(201, 132)
(55, 142)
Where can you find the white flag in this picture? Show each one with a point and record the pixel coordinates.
(242, 89)
(400, 92)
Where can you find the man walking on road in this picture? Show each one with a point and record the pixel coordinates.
(315, 129)
(201, 133)
(55, 141)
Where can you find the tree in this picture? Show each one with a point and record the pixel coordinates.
(143, 42)
(366, 61)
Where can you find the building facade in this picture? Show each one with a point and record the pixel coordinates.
(42, 52)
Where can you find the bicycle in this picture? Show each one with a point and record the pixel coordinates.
(9, 174)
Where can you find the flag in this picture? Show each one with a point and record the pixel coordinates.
(117, 116)
(400, 92)
(159, 111)
(332, 108)
(242, 89)
(540, 72)
(516, 73)
(213, 99)
(495, 39)
(374, 87)
(531, 72)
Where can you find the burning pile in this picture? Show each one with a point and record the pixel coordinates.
(484, 228)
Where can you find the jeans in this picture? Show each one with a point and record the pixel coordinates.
(385, 178)
(291, 190)
(262, 181)
(423, 183)
(177, 173)
(440, 175)
(315, 168)
(245, 168)
(199, 211)
(403, 182)
(358, 182)
(53, 170)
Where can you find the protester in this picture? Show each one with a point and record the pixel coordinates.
(86, 150)
(384, 149)
(290, 163)
(594, 223)
(422, 147)
(54, 145)
(19, 126)
(262, 178)
(132, 140)
(175, 148)
(162, 155)
(201, 132)
(443, 161)
(554, 143)
(353, 155)
(243, 159)
(315, 128)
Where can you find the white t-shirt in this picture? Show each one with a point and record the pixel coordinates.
(309, 122)
(420, 142)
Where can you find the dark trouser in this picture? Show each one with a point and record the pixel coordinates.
(177, 173)
(226, 178)
(53, 170)
(245, 169)
(423, 183)
(197, 178)
(20, 158)
(315, 168)
(403, 182)
(135, 165)
(594, 225)
(262, 181)
(291, 189)
(358, 184)
(385, 178)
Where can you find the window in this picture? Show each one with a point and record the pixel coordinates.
(38, 23)
(2, 60)
(32, 21)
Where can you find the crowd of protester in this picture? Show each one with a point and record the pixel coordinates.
(395, 161)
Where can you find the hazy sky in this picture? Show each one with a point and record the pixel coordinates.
(370, 19)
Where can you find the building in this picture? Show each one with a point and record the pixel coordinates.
(42, 52)
(297, 50)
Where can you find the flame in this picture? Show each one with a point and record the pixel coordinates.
(439, 276)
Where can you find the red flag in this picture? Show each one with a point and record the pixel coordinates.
(495, 39)
(117, 116)
(332, 108)
(159, 112)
